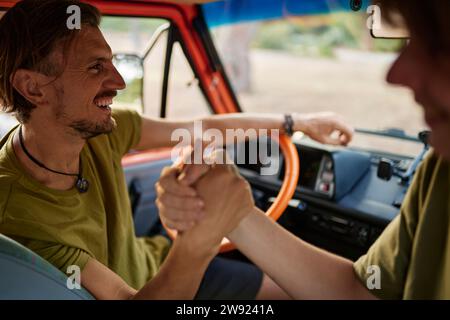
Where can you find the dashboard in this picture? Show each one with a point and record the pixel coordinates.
(340, 203)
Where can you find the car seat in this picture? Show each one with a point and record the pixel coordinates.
(25, 275)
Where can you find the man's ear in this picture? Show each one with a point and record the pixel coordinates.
(29, 84)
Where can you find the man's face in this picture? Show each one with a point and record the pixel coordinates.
(429, 78)
(81, 96)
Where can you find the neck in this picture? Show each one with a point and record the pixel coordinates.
(56, 148)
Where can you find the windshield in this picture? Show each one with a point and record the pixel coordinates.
(320, 63)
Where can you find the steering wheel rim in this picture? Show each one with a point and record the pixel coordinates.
(291, 174)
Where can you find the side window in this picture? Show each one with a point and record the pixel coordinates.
(154, 73)
(129, 38)
(141, 44)
(185, 99)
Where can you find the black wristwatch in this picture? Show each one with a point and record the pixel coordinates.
(288, 125)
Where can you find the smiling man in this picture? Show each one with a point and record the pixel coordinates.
(62, 188)
(411, 258)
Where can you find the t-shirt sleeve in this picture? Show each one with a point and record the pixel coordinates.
(127, 133)
(59, 255)
(391, 253)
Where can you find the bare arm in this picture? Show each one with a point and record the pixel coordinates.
(192, 250)
(157, 133)
(178, 278)
(183, 269)
(304, 271)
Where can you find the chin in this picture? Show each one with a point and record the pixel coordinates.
(105, 127)
(109, 125)
(439, 141)
(88, 129)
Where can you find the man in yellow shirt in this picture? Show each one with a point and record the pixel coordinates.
(413, 253)
(62, 188)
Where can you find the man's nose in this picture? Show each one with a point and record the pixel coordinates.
(407, 70)
(115, 80)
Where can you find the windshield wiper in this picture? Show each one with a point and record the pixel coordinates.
(390, 133)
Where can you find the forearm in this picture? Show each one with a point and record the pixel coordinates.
(245, 121)
(157, 133)
(179, 277)
(304, 271)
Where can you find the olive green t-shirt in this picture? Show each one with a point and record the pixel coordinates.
(66, 227)
(413, 253)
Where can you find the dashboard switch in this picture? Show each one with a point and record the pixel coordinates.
(327, 176)
(324, 187)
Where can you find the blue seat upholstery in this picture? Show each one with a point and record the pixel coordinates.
(25, 275)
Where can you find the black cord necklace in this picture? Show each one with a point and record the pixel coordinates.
(82, 184)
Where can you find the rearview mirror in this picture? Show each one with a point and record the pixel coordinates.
(131, 68)
(381, 28)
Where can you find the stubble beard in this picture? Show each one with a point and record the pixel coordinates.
(84, 128)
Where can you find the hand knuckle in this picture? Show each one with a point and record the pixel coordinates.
(172, 215)
(238, 182)
(163, 182)
(190, 204)
(163, 198)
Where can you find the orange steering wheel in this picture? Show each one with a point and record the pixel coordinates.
(291, 174)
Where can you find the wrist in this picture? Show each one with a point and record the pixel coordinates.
(244, 226)
(195, 247)
(300, 122)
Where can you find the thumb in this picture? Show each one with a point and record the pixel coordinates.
(192, 173)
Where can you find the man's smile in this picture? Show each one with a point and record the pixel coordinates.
(105, 100)
(104, 103)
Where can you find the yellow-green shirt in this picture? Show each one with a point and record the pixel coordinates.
(66, 227)
(413, 253)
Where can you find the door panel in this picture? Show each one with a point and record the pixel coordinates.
(141, 179)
